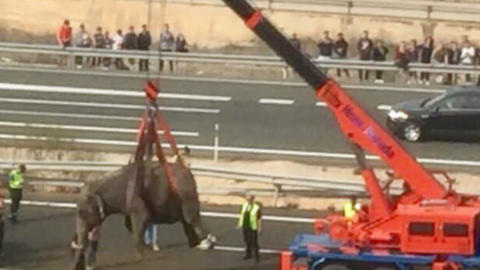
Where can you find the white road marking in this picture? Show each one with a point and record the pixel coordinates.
(72, 115)
(269, 218)
(108, 92)
(218, 80)
(205, 214)
(384, 107)
(242, 249)
(321, 104)
(229, 149)
(90, 128)
(276, 101)
(107, 105)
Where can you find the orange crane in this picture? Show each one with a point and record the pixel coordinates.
(429, 224)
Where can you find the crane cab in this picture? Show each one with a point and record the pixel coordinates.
(439, 229)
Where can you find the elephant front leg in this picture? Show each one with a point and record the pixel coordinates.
(78, 244)
(139, 218)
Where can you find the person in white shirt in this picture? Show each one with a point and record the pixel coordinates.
(467, 57)
(118, 45)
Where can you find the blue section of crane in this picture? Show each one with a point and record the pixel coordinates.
(322, 248)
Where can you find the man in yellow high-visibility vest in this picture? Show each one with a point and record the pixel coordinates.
(15, 186)
(250, 222)
(351, 208)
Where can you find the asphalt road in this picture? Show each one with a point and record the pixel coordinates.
(245, 112)
(41, 241)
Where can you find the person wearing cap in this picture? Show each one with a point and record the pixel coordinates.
(15, 186)
(250, 223)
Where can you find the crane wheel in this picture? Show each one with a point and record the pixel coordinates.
(335, 266)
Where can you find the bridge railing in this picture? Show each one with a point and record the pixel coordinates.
(280, 184)
(43, 57)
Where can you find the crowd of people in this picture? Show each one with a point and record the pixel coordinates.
(130, 40)
(367, 49)
(405, 53)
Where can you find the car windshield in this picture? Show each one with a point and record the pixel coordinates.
(431, 102)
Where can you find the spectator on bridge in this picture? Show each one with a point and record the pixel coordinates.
(167, 44)
(401, 58)
(453, 57)
(425, 56)
(64, 39)
(379, 54)
(118, 44)
(412, 52)
(325, 47)
(130, 44)
(99, 43)
(107, 61)
(296, 42)
(82, 40)
(440, 58)
(181, 44)
(341, 51)
(365, 47)
(64, 35)
(144, 41)
(467, 58)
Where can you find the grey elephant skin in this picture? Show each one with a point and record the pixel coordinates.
(153, 201)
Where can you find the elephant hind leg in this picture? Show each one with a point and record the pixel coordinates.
(139, 218)
(192, 236)
(128, 224)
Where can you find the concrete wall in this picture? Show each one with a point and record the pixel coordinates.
(208, 25)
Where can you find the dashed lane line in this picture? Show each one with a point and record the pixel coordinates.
(106, 105)
(274, 101)
(89, 128)
(108, 92)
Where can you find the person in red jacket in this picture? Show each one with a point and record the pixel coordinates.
(64, 34)
(64, 38)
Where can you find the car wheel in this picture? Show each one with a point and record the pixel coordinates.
(412, 132)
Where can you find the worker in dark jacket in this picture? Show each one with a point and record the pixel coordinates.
(425, 56)
(250, 222)
(341, 50)
(144, 41)
(15, 184)
(364, 47)
(325, 47)
(130, 43)
(379, 54)
(453, 57)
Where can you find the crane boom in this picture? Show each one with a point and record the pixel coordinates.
(361, 129)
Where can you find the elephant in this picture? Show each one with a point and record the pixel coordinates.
(153, 201)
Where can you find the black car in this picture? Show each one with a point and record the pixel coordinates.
(454, 113)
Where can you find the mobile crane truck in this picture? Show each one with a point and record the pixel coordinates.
(428, 226)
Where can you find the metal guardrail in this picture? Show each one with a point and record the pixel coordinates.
(227, 59)
(280, 183)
